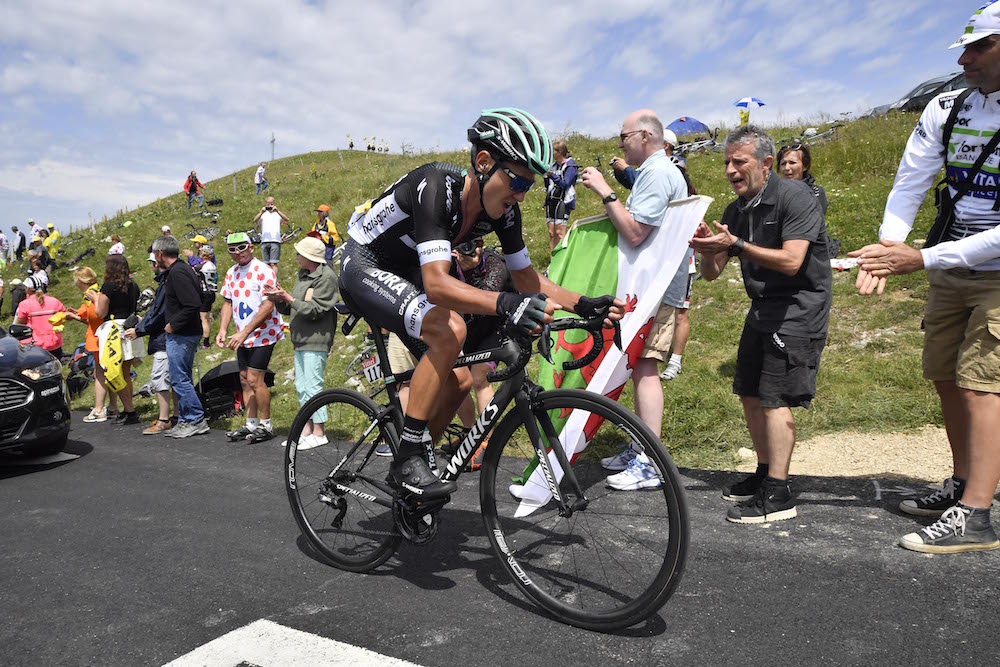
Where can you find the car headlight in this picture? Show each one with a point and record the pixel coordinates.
(47, 370)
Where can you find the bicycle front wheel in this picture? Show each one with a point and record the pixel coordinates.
(617, 556)
(338, 490)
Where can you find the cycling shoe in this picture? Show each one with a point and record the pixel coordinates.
(415, 477)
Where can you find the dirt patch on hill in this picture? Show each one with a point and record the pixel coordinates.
(922, 454)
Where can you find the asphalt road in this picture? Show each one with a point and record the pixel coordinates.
(144, 549)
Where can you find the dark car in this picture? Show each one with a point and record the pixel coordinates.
(918, 98)
(34, 401)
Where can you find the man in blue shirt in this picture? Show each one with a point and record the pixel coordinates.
(658, 181)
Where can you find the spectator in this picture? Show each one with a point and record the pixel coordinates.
(1, 294)
(961, 353)
(53, 239)
(194, 189)
(794, 162)
(39, 251)
(659, 182)
(19, 243)
(182, 300)
(117, 247)
(153, 324)
(17, 295)
(194, 256)
(258, 178)
(786, 272)
(38, 273)
(258, 329)
(270, 219)
(165, 230)
(35, 311)
(85, 280)
(117, 302)
(560, 193)
(36, 229)
(4, 248)
(311, 327)
(679, 292)
(326, 230)
(208, 281)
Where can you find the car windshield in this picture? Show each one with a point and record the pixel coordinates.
(928, 86)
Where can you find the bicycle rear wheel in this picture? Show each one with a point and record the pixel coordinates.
(619, 555)
(338, 490)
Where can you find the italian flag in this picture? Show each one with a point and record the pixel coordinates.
(594, 260)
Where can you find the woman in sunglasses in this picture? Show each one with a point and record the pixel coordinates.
(794, 162)
(396, 262)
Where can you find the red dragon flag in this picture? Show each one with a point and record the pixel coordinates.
(593, 259)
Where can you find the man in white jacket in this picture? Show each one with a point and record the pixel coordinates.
(962, 341)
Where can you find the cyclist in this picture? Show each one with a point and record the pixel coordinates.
(396, 262)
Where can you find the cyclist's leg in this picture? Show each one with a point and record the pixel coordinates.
(394, 302)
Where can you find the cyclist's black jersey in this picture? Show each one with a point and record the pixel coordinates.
(417, 218)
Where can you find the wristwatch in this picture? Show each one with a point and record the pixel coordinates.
(610, 198)
(736, 248)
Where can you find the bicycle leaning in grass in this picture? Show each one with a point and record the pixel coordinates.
(587, 555)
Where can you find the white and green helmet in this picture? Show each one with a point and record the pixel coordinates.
(513, 135)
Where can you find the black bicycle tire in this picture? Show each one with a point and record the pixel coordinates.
(669, 574)
(391, 542)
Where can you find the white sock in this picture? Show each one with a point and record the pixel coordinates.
(251, 423)
(266, 423)
(675, 359)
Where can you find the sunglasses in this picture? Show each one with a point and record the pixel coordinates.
(625, 135)
(236, 249)
(518, 184)
(792, 147)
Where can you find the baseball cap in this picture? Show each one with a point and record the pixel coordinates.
(152, 257)
(669, 137)
(237, 238)
(50, 226)
(324, 208)
(36, 238)
(164, 228)
(199, 239)
(985, 22)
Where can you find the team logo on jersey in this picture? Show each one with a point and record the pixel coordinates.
(243, 310)
(420, 190)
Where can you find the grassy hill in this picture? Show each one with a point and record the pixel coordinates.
(870, 375)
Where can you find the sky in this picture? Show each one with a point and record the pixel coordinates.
(110, 103)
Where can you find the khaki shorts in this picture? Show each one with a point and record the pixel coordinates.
(661, 335)
(400, 358)
(962, 339)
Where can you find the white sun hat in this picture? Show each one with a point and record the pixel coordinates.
(985, 22)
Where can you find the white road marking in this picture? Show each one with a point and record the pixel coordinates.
(268, 644)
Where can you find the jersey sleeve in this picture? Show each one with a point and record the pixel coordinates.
(922, 159)
(227, 287)
(508, 230)
(435, 210)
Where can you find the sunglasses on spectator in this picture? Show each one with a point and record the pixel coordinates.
(625, 135)
(792, 147)
(236, 249)
(518, 183)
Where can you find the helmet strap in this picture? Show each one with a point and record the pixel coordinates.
(481, 178)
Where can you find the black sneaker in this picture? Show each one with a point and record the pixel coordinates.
(935, 503)
(416, 477)
(239, 434)
(959, 529)
(260, 434)
(772, 502)
(129, 419)
(745, 489)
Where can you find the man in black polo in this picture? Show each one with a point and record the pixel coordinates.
(776, 229)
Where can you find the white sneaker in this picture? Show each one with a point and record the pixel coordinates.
(620, 461)
(311, 442)
(383, 450)
(672, 371)
(640, 474)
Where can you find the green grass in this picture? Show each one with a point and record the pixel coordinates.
(870, 374)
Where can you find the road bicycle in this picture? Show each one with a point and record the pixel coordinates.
(589, 556)
(290, 234)
(208, 232)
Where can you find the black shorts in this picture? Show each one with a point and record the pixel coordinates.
(779, 369)
(555, 209)
(482, 333)
(390, 299)
(254, 358)
(207, 299)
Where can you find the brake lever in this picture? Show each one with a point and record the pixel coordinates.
(545, 343)
(618, 333)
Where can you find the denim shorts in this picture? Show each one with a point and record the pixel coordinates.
(270, 252)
